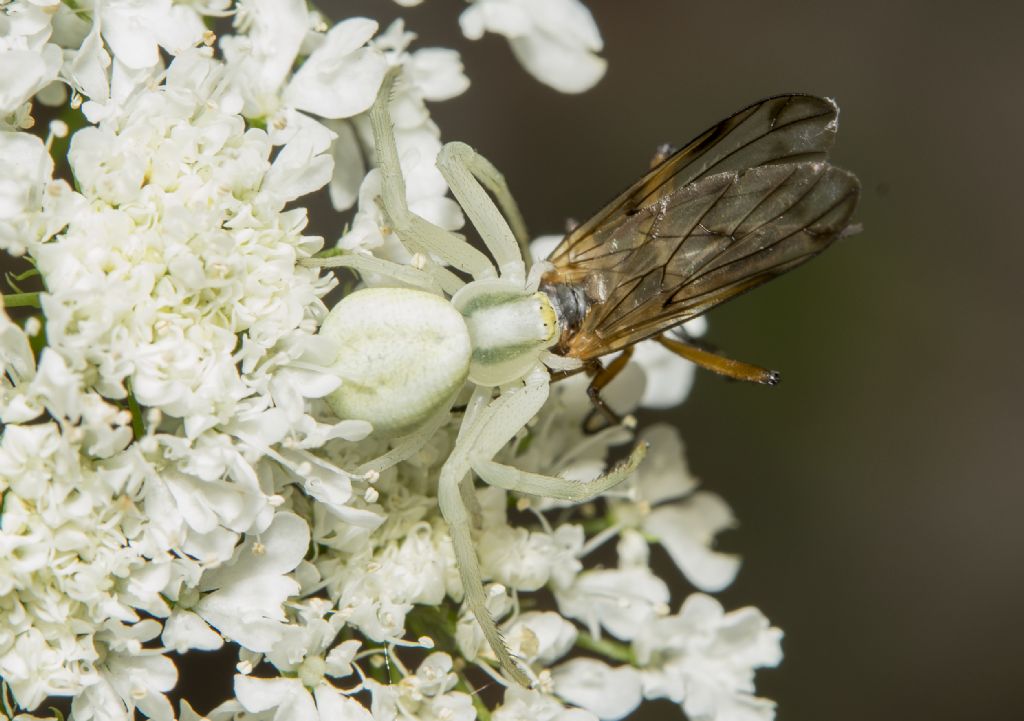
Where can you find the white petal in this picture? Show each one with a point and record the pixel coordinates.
(609, 693)
(664, 475)
(754, 641)
(622, 394)
(25, 72)
(215, 546)
(632, 549)
(277, 550)
(543, 637)
(338, 662)
(696, 327)
(16, 357)
(669, 377)
(261, 694)
(687, 529)
(340, 78)
(438, 73)
(276, 31)
(710, 703)
(185, 630)
(569, 19)
(553, 39)
(180, 29)
(250, 613)
(347, 88)
(566, 69)
(621, 600)
(510, 19)
(129, 33)
(332, 490)
(300, 168)
(27, 168)
(351, 34)
(522, 704)
(333, 706)
(349, 167)
(541, 246)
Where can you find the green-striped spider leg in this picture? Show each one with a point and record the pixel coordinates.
(490, 430)
(493, 331)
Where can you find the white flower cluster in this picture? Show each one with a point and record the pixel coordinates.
(171, 479)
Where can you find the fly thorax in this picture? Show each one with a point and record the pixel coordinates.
(570, 303)
(508, 328)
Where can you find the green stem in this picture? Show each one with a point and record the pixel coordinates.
(437, 623)
(14, 280)
(21, 300)
(30, 273)
(606, 647)
(329, 253)
(138, 426)
(593, 526)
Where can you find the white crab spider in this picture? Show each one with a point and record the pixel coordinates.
(405, 353)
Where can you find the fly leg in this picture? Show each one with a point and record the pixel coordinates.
(721, 365)
(602, 376)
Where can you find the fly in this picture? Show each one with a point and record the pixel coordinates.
(747, 200)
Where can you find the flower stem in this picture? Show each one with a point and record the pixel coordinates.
(606, 647)
(329, 253)
(437, 623)
(21, 300)
(138, 425)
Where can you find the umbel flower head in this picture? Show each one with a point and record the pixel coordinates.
(174, 478)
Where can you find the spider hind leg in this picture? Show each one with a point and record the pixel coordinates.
(484, 434)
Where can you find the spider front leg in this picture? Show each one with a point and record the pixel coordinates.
(487, 433)
(468, 174)
(416, 233)
(364, 264)
(562, 489)
(505, 416)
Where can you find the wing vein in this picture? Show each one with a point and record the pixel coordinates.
(694, 278)
(710, 169)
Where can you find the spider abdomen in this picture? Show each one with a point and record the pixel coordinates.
(402, 354)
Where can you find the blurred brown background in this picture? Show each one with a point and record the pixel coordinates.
(879, 486)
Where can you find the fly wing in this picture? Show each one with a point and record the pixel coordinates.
(700, 245)
(782, 129)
